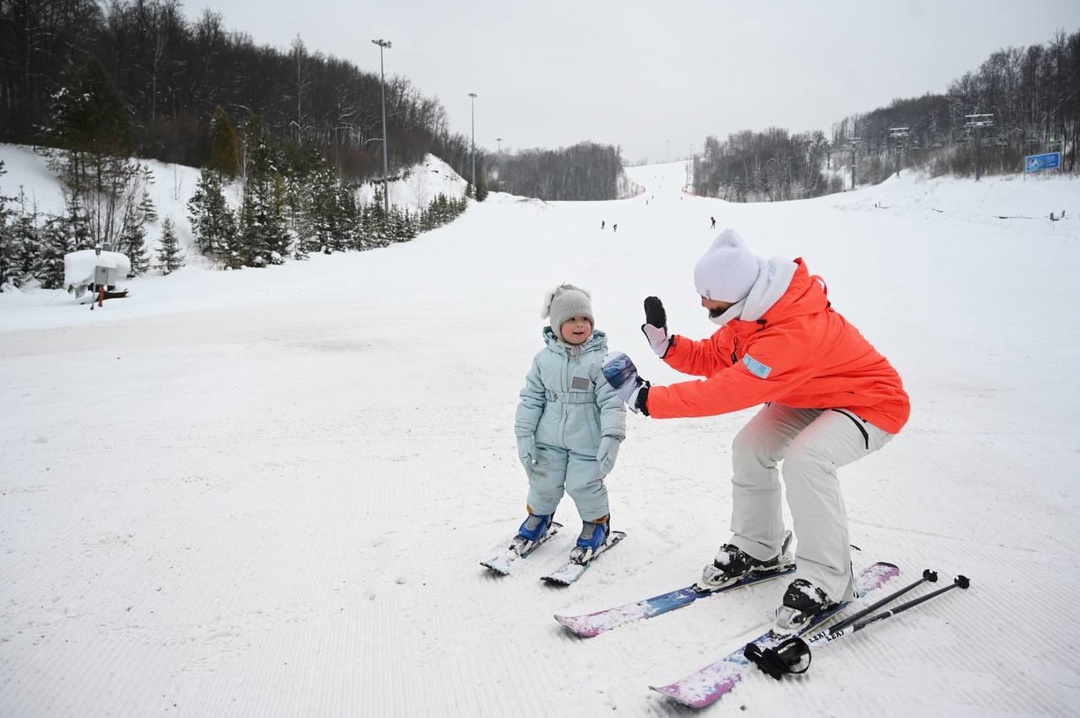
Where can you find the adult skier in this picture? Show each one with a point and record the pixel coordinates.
(830, 399)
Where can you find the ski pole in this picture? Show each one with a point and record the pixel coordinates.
(928, 576)
(850, 627)
(787, 657)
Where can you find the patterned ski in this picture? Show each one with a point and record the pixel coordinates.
(573, 570)
(502, 563)
(593, 624)
(707, 685)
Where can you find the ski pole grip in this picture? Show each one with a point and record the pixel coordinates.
(784, 658)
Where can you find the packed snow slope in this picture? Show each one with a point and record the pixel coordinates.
(265, 493)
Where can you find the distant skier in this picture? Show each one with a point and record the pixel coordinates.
(614, 228)
(570, 422)
(830, 399)
(713, 222)
(601, 224)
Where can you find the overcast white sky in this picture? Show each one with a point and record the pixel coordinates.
(655, 78)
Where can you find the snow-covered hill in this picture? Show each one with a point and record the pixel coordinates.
(171, 187)
(265, 493)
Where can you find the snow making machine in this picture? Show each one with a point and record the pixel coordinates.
(97, 270)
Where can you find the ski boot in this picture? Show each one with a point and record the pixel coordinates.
(732, 563)
(803, 602)
(593, 535)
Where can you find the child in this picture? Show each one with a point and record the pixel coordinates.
(569, 422)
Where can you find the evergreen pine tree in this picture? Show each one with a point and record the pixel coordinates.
(264, 237)
(378, 222)
(394, 230)
(299, 198)
(350, 226)
(212, 221)
(169, 257)
(278, 239)
(90, 125)
(146, 206)
(26, 242)
(224, 147)
(363, 233)
(89, 115)
(7, 253)
(132, 241)
(438, 211)
(78, 225)
(336, 212)
(55, 243)
(410, 225)
(7, 241)
(324, 224)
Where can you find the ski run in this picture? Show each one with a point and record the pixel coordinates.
(265, 493)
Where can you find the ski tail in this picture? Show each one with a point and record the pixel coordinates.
(575, 567)
(519, 547)
(707, 685)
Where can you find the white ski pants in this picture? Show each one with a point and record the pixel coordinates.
(813, 444)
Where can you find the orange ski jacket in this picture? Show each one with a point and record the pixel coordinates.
(801, 353)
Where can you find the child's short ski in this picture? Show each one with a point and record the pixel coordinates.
(593, 624)
(520, 547)
(575, 567)
(709, 684)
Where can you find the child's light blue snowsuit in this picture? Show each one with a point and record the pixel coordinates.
(567, 407)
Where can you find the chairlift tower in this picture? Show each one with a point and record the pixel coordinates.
(853, 142)
(899, 134)
(977, 123)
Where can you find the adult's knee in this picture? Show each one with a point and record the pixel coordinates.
(753, 444)
(807, 464)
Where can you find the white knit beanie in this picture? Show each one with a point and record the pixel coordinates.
(565, 301)
(728, 270)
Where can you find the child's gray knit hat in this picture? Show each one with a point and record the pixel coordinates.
(565, 301)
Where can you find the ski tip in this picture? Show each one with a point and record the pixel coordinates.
(884, 568)
(555, 581)
(571, 624)
(673, 692)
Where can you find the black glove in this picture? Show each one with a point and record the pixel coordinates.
(655, 326)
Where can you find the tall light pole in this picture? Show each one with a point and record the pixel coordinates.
(498, 146)
(384, 45)
(472, 112)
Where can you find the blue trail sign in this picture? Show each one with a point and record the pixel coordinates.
(1048, 161)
